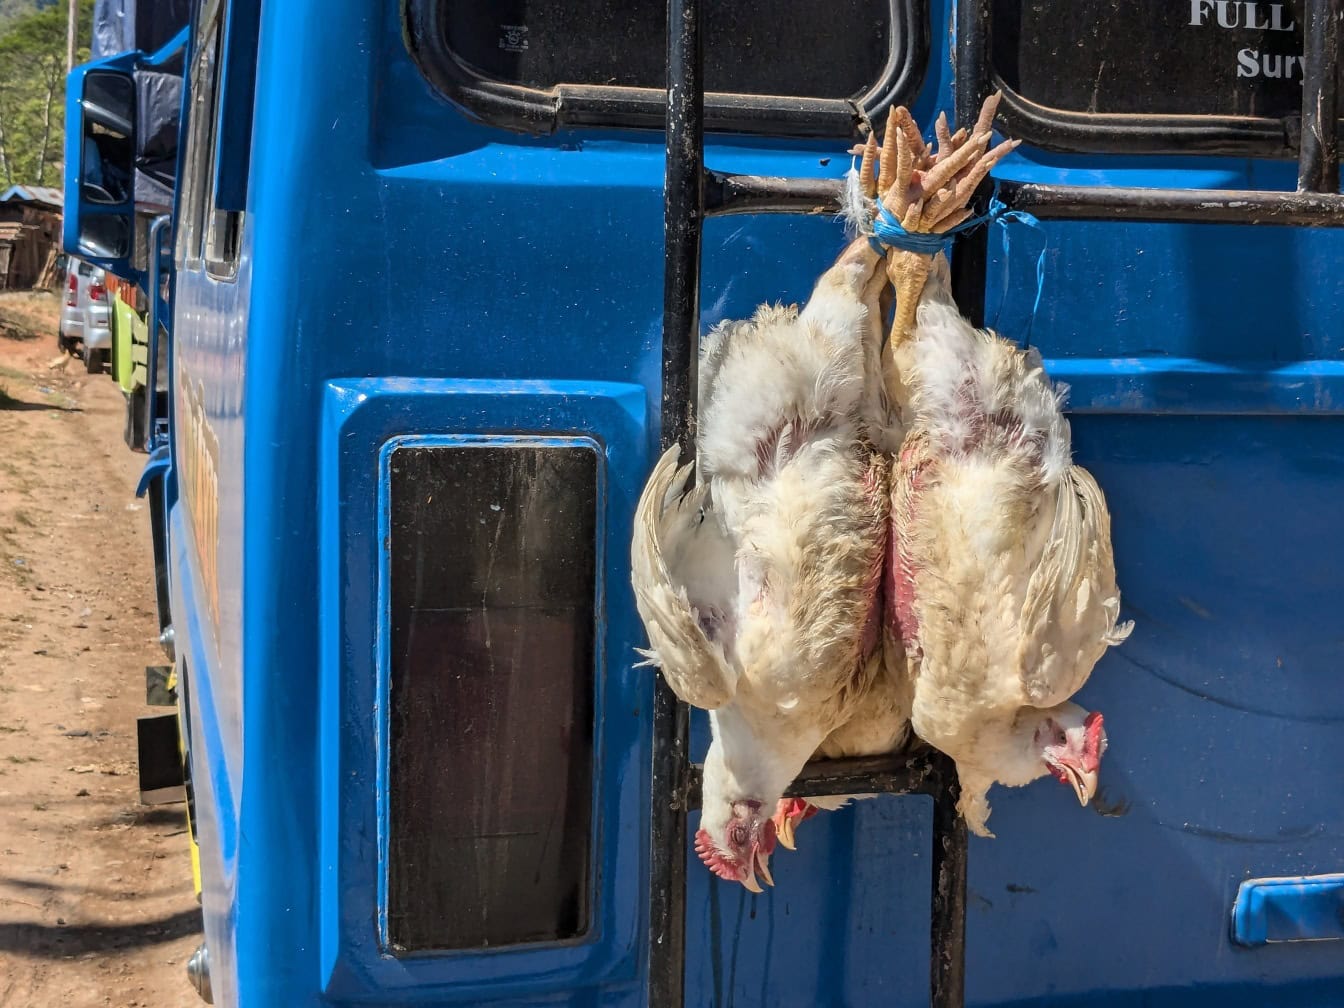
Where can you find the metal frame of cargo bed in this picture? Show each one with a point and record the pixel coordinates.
(692, 193)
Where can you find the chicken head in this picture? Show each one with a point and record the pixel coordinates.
(1071, 744)
(735, 842)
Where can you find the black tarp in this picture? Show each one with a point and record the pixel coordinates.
(122, 25)
(147, 25)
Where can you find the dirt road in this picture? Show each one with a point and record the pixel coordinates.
(96, 903)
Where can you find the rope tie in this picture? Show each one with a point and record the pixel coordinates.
(888, 233)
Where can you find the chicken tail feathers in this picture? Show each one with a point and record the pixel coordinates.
(681, 563)
(1072, 605)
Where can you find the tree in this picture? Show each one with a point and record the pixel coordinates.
(32, 92)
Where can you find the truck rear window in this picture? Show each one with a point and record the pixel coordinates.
(492, 567)
(806, 67)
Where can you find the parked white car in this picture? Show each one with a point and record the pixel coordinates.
(86, 316)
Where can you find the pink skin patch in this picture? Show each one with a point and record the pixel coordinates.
(873, 588)
(899, 579)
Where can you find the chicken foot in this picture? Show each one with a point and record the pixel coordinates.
(928, 191)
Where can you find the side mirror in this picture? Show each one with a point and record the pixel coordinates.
(100, 163)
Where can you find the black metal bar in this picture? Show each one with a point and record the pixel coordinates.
(1193, 206)
(971, 60)
(1318, 158)
(727, 194)
(763, 194)
(683, 221)
(909, 773)
(947, 924)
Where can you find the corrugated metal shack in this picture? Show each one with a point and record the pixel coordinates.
(30, 230)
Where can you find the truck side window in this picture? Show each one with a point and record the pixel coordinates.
(780, 67)
(1202, 76)
(198, 155)
(206, 235)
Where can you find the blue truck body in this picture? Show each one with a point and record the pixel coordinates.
(405, 274)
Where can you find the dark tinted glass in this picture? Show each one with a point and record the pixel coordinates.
(493, 569)
(813, 49)
(1153, 57)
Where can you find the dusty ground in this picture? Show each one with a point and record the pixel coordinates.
(96, 903)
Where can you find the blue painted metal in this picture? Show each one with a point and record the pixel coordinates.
(160, 327)
(405, 273)
(1306, 908)
(233, 148)
(363, 422)
(76, 207)
(158, 464)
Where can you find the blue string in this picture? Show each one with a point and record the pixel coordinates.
(1001, 215)
(888, 232)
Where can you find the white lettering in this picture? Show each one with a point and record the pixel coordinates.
(1228, 14)
(1199, 10)
(1248, 63)
(1276, 19)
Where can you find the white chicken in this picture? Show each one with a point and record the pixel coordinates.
(941, 183)
(759, 587)
(1001, 579)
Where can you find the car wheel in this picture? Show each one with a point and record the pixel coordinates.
(93, 360)
(63, 342)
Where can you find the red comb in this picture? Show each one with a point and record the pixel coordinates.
(1092, 729)
(714, 859)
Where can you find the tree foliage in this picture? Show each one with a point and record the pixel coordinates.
(32, 89)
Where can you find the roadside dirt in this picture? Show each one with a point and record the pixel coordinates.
(96, 902)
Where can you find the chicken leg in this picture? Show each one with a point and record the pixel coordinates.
(927, 191)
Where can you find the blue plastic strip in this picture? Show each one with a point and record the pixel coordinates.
(1000, 213)
(1303, 908)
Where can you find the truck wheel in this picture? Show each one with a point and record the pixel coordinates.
(63, 342)
(94, 360)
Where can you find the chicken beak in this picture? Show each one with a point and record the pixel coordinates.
(784, 830)
(763, 866)
(760, 862)
(1084, 783)
(750, 881)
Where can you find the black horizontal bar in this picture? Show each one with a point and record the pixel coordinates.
(1191, 206)
(737, 194)
(746, 194)
(920, 772)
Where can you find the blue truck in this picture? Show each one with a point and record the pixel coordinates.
(429, 293)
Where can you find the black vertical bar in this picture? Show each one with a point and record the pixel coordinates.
(1318, 159)
(683, 217)
(971, 62)
(970, 253)
(947, 929)
(682, 220)
(947, 924)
